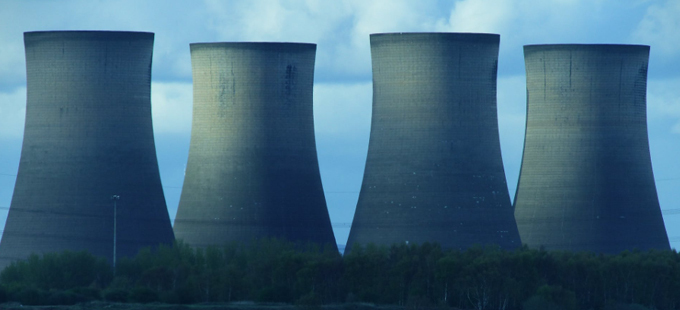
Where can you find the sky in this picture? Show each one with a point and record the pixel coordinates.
(342, 89)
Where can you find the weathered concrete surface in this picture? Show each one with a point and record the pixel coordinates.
(434, 171)
(586, 182)
(253, 170)
(88, 136)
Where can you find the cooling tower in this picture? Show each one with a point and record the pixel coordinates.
(88, 136)
(586, 182)
(434, 171)
(252, 170)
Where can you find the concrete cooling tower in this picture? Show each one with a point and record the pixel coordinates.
(252, 170)
(88, 136)
(434, 171)
(586, 182)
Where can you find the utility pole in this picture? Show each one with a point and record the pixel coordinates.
(115, 199)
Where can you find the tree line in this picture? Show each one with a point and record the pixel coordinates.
(406, 275)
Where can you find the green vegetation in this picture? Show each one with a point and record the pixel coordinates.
(410, 276)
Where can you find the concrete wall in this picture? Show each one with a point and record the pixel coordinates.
(586, 182)
(252, 170)
(88, 136)
(434, 171)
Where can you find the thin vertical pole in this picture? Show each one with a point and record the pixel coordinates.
(115, 218)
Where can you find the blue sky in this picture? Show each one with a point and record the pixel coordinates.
(342, 91)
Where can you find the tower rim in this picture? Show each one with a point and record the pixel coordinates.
(585, 46)
(96, 35)
(252, 45)
(461, 36)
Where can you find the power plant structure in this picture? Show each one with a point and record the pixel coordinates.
(586, 181)
(253, 171)
(88, 176)
(434, 171)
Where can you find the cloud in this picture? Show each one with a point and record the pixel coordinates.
(342, 121)
(392, 16)
(659, 28)
(525, 22)
(478, 16)
(12, 62)
(340, 28)
(12, 113)
(663, 103)
(387, 16)
(266, 20)
(171, 107)
(325, 23)
(342, 108)
(175, 23)
(511, 95)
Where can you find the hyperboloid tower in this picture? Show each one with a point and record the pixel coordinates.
(434, 171)
(88, 137)
(586, 182)
(252, 170)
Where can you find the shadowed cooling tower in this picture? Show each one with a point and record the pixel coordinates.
(252, 170)
(586, 182)
(434, 171)
(88, 136)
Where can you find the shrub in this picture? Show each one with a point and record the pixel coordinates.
(116, 295)
(30, 296)
(551, 298)
(143, 295)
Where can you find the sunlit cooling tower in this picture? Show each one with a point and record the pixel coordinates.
(252, 170)
(434, 171)
(586, 182)
(88, 136)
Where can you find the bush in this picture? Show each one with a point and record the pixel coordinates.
(63, 298)
(87, 293)
(143, 295)
(3, 294)
(183, 295)
(58, 271)
(116, 295)
(551, 298)
(30, 296)
(309, 300)
(620, 306)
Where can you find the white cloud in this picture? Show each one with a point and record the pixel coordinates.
(538, 22)
(339, 28)
(392, 16)
(386, 16)
(12, 61)
(511, 125)
(12, 113)
(172, 107)
(342, 121)
(341, 109)
(663, 102)
(659, 28)
(267, 20)
(312, 21)
(175, 23)
(479, 16)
